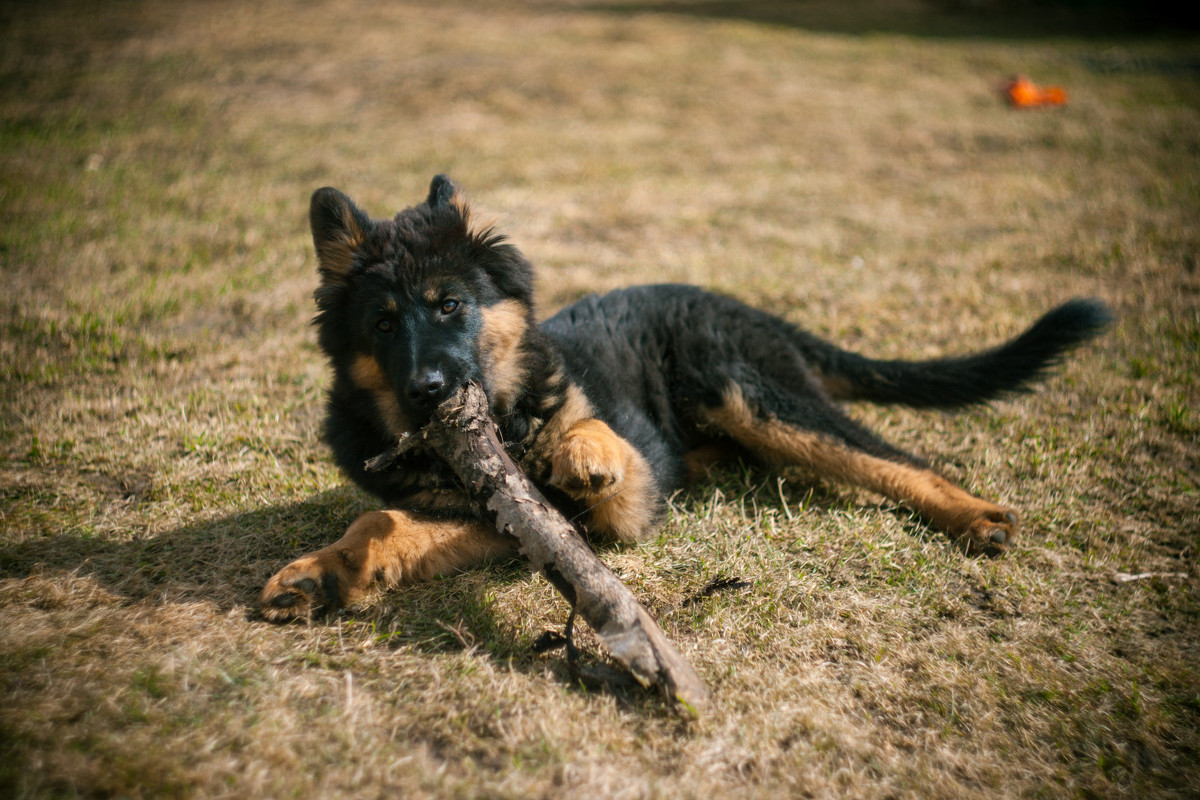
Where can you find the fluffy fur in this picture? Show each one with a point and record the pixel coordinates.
(609, 405)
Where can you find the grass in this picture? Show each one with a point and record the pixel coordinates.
(850, 168)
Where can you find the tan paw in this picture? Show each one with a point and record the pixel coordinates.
(307, 587)
(990, 533)
(591, 460)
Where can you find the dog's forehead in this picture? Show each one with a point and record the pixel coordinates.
(415, 242)
(413, 281)
(414, 273)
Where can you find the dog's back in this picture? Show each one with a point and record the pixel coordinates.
(654, 359)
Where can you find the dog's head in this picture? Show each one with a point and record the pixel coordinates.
(414, 307)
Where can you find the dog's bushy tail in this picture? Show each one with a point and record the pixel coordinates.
(965, 380)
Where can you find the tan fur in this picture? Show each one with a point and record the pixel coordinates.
(476, 227)
(572, 450)
(553, 384)
(366, 372)
(957, 512)
(504, 327)
(336, 256)
(380, 547)
(459, 201)
(598, 467)
(575, 407)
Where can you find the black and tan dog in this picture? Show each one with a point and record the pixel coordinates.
(609, 405)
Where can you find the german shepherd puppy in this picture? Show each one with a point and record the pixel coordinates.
(609, 406)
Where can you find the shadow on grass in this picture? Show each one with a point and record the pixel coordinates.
(1008, 19)
(221, 559)
(224, 561)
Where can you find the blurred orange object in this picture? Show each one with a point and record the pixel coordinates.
(1023, 93)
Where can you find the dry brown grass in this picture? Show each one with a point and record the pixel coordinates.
(161, 398)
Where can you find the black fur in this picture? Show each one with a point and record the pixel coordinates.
(967, 380)
(649, 359)
(649, 356)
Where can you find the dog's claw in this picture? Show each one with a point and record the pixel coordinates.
(285, 600)
(590, 460)
(306, 585)
(991, 533)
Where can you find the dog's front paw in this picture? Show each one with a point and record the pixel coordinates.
(590, 461)
(307, 587)
(990, 533)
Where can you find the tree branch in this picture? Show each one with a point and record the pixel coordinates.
(463, 434)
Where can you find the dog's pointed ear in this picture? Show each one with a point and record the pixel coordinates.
(338, 229)
(445, 194)
(441, 191)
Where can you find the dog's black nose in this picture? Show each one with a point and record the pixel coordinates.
(428, 388)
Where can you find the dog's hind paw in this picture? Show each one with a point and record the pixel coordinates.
(991, 533)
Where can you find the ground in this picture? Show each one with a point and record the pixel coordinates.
(851, 167)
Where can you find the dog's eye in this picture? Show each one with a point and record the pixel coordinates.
(449, 306)
(384, 326)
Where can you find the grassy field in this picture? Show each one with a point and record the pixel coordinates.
(850, 167)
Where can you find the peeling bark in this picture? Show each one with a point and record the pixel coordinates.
(463, 434)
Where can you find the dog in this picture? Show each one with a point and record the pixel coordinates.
(608, 406)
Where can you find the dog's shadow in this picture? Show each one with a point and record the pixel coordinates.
(223, 561)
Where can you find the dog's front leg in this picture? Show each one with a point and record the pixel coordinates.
(602, 470)
(380, 547)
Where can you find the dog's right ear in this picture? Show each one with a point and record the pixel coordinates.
(338, 229)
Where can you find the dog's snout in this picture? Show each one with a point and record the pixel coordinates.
(428, 388)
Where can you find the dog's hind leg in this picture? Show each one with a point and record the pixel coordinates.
(380, 547)
(812, 432)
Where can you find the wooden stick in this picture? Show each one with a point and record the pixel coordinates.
(463, 434)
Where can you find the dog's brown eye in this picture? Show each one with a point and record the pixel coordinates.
(384, 326)
(449, 306)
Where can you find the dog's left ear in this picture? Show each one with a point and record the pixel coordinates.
(441, 191)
